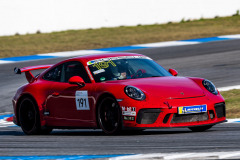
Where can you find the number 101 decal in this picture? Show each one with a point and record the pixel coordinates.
(82, 100)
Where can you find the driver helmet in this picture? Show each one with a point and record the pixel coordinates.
(123, 72)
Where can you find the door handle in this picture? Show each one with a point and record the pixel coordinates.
(55, 94)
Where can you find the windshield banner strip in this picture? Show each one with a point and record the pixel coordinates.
(115, 58)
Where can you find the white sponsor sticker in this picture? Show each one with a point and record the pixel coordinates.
(82, 100)
(126, 113)
(99, 71)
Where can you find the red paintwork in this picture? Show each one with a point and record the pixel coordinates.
(30, 68)
(76, 80)
(161, 92)
(30, 78)
(173, 72)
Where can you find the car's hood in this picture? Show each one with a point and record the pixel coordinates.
(165, 87)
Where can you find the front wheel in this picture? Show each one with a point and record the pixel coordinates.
(200, 129)
(109, 116)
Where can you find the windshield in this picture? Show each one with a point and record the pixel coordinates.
(127, 67)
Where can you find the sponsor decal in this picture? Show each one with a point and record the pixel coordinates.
(98, 71)
(115, 58)
(90, 62)
(128, 111)
(102, 79)
(192, 109)
(81, 98)
(129, 118)
(101, 65)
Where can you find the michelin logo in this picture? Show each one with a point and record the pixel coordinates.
(192, 109)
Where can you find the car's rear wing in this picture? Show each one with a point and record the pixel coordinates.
(30, 78)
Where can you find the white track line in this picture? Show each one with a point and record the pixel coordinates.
(4, 123)
(224, 156)
(187, 156)
(229, 88)
(183, 155)
(166, 44)
(236, 120)
(72, 53)
(236, 36)
(4, 62)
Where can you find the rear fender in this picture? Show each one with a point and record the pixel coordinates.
(19, 100)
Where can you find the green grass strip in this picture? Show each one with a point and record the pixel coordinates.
(232, 99)
(30, 44)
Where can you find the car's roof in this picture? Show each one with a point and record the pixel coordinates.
(105, 55)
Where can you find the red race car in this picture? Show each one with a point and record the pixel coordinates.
(114, 92)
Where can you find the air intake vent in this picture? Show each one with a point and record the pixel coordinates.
(189, 117)
(147, 116)
(211, 113)
(220, 110)
(165, 120)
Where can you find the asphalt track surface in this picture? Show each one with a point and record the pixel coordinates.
(222, 137)
(216, 61)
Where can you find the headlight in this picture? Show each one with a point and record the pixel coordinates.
(134, 93)
(210, 86)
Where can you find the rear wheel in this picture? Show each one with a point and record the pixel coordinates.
(29, 118)
(200, 129)
(109, 116)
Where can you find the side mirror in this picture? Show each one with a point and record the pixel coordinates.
(77, 80)
(173, 72)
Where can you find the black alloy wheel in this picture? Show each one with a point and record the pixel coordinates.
(109, 116)
(29, 118)
(200, 129)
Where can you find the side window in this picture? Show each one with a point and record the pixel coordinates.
(54, 74)
(71, 69)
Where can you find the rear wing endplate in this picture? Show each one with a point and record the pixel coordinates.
(30, 78)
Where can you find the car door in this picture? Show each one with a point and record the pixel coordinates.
(68, 104)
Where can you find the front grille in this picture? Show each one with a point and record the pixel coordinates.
(189, 117)
(147, 116)
(220, 110)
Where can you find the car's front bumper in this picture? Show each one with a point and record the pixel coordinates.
(161, 115)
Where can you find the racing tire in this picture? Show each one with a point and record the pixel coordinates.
(109, 116)
(29, 118)
(200, 129)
